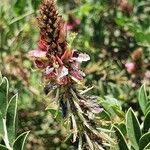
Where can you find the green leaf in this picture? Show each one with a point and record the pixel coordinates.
(35, 3)
(133, 128)
(1, 125)
(2, 147)
(112, 106)
(85, 9)
(121, 142)
(144, 141)
(146, 125)
(108, 109)
(113, 102)
(142, 98)
(147, 108)
(104, 116)
(20, 142)
(106, 106)
(4, 86)
(11, 118)
(118, 111)
(122, 128)
(55, 112)
(147, 147)
(19, 6)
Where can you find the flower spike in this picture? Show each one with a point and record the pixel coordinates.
(60, 66)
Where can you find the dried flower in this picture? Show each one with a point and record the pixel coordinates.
(53, 34)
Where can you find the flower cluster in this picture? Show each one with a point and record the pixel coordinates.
(137, 68)
(58, 63)
(61, 70)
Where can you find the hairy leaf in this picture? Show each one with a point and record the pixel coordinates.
(4, 85)
(142, 98)
(11, 118)
(144, 141)
(133, 128)
(2, 147)
(147, 147)
(121, 143)
(1, 126)
(146, 125)
(20, 142)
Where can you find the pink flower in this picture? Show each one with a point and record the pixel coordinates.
(38, 54)
(40, 64)
(60, 69)
(79, 57)
(73, 24)
(147, 74)
(61, 72)
(42, 44)
(131, 67)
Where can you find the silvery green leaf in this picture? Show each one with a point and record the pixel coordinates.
(146, 125)
(1, 126)
(11, 118)
(2, 147)
(143, 99)
(121, 143)
(144, 140)
(133, 128)
(4, 86)
(19, 143)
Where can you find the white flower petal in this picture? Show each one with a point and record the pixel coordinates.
(62, 72)
(49, 70)
(37, 53)
(81, 57)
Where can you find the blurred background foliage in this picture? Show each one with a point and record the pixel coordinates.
(114, 33)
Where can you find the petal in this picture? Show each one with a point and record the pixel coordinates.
(81, 57)
(49, 70)
(62, 72)
(131, 67)
(42, 44)
(147, 74)
(63, 81)
(77, 21)
(67, 55)
(40, 64)
(76, 74)
(37, 54)
(97, 110)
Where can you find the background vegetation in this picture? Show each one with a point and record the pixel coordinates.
(115, 34)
